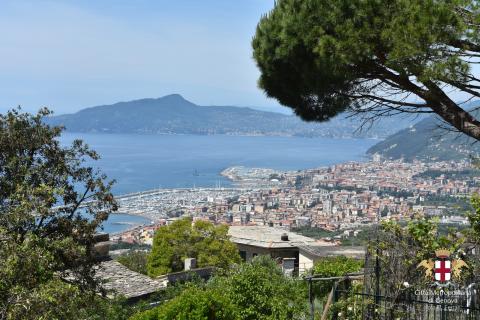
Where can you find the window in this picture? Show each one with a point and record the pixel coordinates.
(243, 255)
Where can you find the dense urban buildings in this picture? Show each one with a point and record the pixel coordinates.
(343, 199)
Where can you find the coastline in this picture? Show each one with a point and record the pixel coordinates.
(129, 225)
(147, 162)
(243, 179)
(233, 134)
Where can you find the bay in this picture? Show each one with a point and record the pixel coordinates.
(119, 222)
(144, 162)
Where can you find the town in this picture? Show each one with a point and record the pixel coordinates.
(341, 200)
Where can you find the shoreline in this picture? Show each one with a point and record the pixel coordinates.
(159, 205)
(130, 226)
(241, 182)
(253, 135)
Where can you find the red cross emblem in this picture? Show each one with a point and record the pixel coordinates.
(443, 270)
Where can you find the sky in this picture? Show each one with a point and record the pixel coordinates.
(69, 55)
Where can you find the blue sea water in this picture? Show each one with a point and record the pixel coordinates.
(143, 162)
(119, 222)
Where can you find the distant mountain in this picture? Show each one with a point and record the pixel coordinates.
(427, 140)
(173, 114)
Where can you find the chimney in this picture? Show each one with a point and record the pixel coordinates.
(284, 237)
(190, 263)
(101, 246)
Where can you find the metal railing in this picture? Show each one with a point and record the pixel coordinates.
(353, 303)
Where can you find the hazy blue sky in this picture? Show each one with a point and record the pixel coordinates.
(74, 54)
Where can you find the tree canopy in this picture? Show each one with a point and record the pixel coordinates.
(202, 240)
(193, 304)
(135, 260)
(51, 205)
(333, 267)
(257, 290)
(373, 57)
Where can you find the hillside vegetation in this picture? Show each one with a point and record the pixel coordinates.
(427, 140)
(173, 114)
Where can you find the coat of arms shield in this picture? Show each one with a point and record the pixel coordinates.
(443, 269)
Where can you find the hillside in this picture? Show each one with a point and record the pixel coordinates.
(426, 140)
(173, 114)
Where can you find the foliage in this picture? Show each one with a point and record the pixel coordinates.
(260, 291)
(336, 266)
(202, 240)
(325, 57)
(135, 260)
(349, 307)
(43, 233)
(333, 267)
(401, 248)
(464, 174)
(193, 304)
(395, 194)
(384, 212)
(473, 233)
(173, 114)
(251, 291)
(132, 246)
(360, 240)
(175, 289)
(57, 300)
(454, 204)
(427, 141)
(474, 217)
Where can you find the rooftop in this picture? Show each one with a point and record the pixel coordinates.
(126, 282)
(270, 237)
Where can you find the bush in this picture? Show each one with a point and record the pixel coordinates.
(193, 304)
(252, 291)
(202, 240)
(135, 260)
(333, 267)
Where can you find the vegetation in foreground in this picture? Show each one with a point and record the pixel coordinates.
(41, 246)
(248, 291)
(207, 243)
(372, 58)
(44, 235)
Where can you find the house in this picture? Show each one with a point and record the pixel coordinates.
(286, 246)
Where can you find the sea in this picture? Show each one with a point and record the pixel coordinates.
(144, 162)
